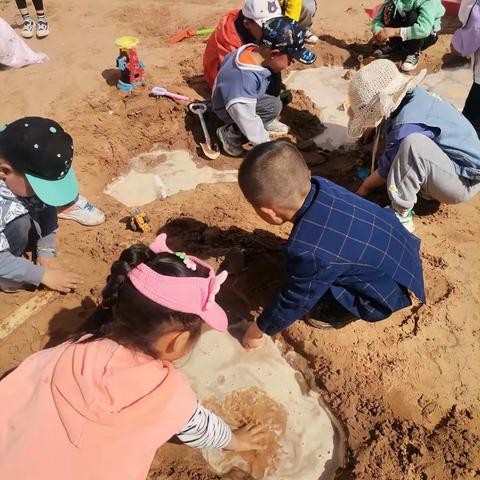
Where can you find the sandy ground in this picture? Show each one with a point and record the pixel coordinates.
(407, 389)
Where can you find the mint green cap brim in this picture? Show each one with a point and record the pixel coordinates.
(55, 192)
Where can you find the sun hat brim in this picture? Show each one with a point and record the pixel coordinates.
(362, 120)
(55, 193)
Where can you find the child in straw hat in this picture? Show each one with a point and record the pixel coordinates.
(431, 148)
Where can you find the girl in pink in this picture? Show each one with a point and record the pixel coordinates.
(98, 406)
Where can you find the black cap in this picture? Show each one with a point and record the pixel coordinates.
(40, 149)
(285, 35)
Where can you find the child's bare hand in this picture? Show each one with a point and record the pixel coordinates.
(254, 338)
(381, 37)
(61, 280)
(48, 262)
(250, 437)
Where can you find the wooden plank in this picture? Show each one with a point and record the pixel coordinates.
(25, 311)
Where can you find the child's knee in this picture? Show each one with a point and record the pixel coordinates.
(415, 143)
(17, 233)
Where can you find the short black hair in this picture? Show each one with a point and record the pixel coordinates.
(274, 174)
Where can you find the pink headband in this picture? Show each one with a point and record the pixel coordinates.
(183, 294)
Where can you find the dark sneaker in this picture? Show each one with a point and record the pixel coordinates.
(28, 28)
(329, 314)
(42, 28)
(410, 63)
(231, 140)
(383, 51)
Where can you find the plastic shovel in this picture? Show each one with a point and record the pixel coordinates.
(163, 92)
(189, 32)
(210, 149)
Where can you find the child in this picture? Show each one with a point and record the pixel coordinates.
(35, 177)
(29, 25)
(240, 27)
(346, 258)
(97, 407)
(407, 27)
(302, 11)
(431, 148)
(239, 94)
(466, 41)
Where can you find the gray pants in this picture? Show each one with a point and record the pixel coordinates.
(309, 8)
(268, 108)
(422, 166)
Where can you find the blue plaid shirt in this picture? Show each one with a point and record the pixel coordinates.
(351, 246)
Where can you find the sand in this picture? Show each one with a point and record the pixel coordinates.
(161, 174)
(407, 389)
(305, 441)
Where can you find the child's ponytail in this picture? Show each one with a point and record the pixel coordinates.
(128, 317)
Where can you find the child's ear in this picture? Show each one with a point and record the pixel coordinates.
(5, 169)
(269, 215)
(179, 342)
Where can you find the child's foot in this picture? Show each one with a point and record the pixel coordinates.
(383, 51)
(42, 27)
(410, 63)
(28, 28)
(231, 140)
(83, 212)
(310, 37)
(277, 127)
(406, 219)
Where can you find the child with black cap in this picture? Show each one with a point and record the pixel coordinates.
(35, 177)
(239, 94)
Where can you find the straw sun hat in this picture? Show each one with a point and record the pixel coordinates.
(375, 92)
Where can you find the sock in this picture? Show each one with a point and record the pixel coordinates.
(41, 15)
(26, 16)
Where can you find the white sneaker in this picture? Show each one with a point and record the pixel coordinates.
(411, 62)
(310, 37)
(28, 28)
(406, 219)
(83, 212)
(42, 28)
(276, 126)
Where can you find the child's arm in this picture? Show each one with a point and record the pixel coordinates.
(293, 9)
(466, 40)
(377, 23)
(207, 430)
(19, 269)
(245, 116)
(423, 27)
(394, 140)
(372, 182)
(307, 281)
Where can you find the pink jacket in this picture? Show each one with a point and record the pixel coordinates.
(89, 411)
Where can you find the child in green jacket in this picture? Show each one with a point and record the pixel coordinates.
(407, 27)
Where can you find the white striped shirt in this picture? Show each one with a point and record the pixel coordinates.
(205, 430)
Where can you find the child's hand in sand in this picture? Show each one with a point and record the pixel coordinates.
(61, 280)
(254, 338)
(250, 437)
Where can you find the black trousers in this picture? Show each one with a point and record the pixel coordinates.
(472, 107)
(38, 4)
(393, 18)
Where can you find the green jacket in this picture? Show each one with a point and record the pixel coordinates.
(430, 13)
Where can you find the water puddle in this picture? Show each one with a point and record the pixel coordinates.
(328, 90)
(161, 174)
(261, 386)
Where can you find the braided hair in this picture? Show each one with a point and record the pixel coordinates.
(129, 318)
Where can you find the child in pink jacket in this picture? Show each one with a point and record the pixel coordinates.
(98, 406)
(466, 41)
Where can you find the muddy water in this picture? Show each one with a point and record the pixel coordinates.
(160, 174)
(261, 386)
(328, 90)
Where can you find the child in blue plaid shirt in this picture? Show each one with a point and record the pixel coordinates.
(347, 258)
